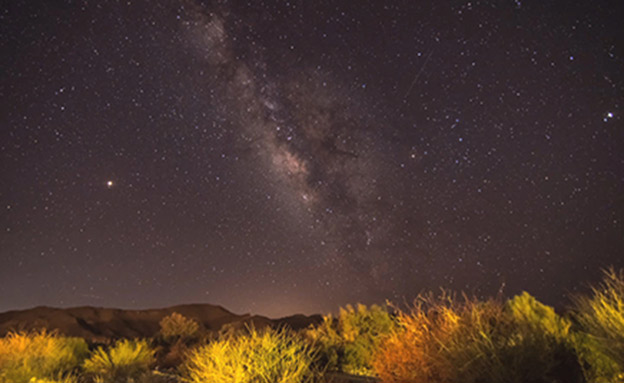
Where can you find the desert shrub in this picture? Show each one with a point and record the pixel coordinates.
(176, 326)
(62, 379)
(327, 341)
(426, 341)
(126, 359)
(546, 340)
(541, 318)
(172, 355)
(442, 339)
(601, 318)
(347, 343)
(40, 355)
(270, 356)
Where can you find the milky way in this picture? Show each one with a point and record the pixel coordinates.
(281, 157)
(317, 142)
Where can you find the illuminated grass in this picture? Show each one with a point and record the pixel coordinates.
(42, 355)
(601, 317)
(442, 339)
(347, 343)
(65, 379)
(124, 360)
(257, 357)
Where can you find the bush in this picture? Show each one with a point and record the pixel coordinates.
(348, 343)
(177, 326)
(40, 355)
(126, 359)
(443, 340)
(415, 351)
(547, 343)
(65, 379)
(601, 318)
(271, 356)
(541, 319)
(328, 343)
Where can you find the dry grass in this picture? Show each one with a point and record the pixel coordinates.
(443, 339)
(601, 317)
(126, 359)
(41, 355)
(440, 339)
(256, 357)
(347, 343)
(62, 379)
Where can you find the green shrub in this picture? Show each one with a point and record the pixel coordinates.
(547, 343)
(443, 340)
(271, 356)
(348, 343)
(542, 319)
(126, 359)
(601, 317)
(40, 355)
(176, 326)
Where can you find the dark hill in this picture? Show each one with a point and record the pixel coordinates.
(96, 323)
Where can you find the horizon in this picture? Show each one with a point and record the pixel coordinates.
(559, 307)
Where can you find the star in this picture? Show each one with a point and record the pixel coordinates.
(395, 140)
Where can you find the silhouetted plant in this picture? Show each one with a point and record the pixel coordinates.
(176, 326)
(40, 355)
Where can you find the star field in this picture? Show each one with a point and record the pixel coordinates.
(294, 156)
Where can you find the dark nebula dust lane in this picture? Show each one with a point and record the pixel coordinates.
(282, 157)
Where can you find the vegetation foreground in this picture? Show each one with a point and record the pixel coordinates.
(438, 339)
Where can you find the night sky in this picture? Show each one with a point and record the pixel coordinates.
(277, 157)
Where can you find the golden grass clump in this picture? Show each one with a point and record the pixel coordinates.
(177, 326)
(414, 352)
(39, 355)
(442, 339)
(601, 318)
(63, 379)
(270, 356)
(126, 359)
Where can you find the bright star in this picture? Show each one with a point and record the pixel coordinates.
(109, 184)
